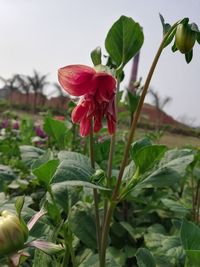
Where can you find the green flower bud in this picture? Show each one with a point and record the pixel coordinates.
(13, 234)
(185, 38)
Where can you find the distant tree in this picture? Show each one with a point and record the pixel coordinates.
(37, 84)
(24, 86)
(61, 94)
(159, 103)
(11, 85)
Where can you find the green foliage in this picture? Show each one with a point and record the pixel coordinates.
(73, 166)
(96, 56)
(146, 157)
(144, 258)
(133, 100)
(56, 130)
(45, 172)
(81, 221)
(124, 40)
(190, 235)
(29, 154)
(6, 176)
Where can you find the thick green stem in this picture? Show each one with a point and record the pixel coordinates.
(105, 232)
(114, 199)
(95, 193)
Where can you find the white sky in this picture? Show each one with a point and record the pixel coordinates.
(48, 34)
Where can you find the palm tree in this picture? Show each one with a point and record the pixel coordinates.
(37, 84)
(24, 85)
(10, 85)
(61, 94)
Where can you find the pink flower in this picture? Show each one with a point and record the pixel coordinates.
(97, 91)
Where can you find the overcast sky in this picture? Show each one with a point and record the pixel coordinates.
(48, 34)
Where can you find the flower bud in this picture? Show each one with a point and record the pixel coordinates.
(13, 234)
(185, 38)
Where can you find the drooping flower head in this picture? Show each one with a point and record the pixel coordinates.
(97, 91)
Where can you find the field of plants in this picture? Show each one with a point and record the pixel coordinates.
(85, 190)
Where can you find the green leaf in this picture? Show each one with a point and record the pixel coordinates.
(174, 154)
(194, 27)
(45, 172)
(81, 222)
(193, 258)
(170, 38)
(91, 260)
(48, 155)
(162, 260)
(188, 56)
(178, 160)
(147, 156)
(169, 171)
(129, 171)
(73, 166)
(61, 195)
(166, 26)
(42, 259)
(124, 40)
(6, 173)
(56, 129)
(190, 236)
(133, 100)
(160, 178)
(129, 228)
(115, 257)
(179, 209)
(67, 184)
(145, 258)
(19, 203)
(29, 154)
(174, 48)
(69, 155)
(136, 146)
(96, 56)
(198, 38)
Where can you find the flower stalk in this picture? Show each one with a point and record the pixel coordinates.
(115, 194)
(95, 192)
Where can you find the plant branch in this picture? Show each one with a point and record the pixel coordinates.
(95, 193)
(106, 226)
(138, 112)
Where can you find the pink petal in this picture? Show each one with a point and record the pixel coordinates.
(111, 116)
(111, 124)
(85, 125)
(98, 121)
(106, 86)
(46, 246)
(77, 80)
(35, 218)
(78, 113)
(111, 108)
(85, 108)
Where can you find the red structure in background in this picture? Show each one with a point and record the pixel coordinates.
(19, 98)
